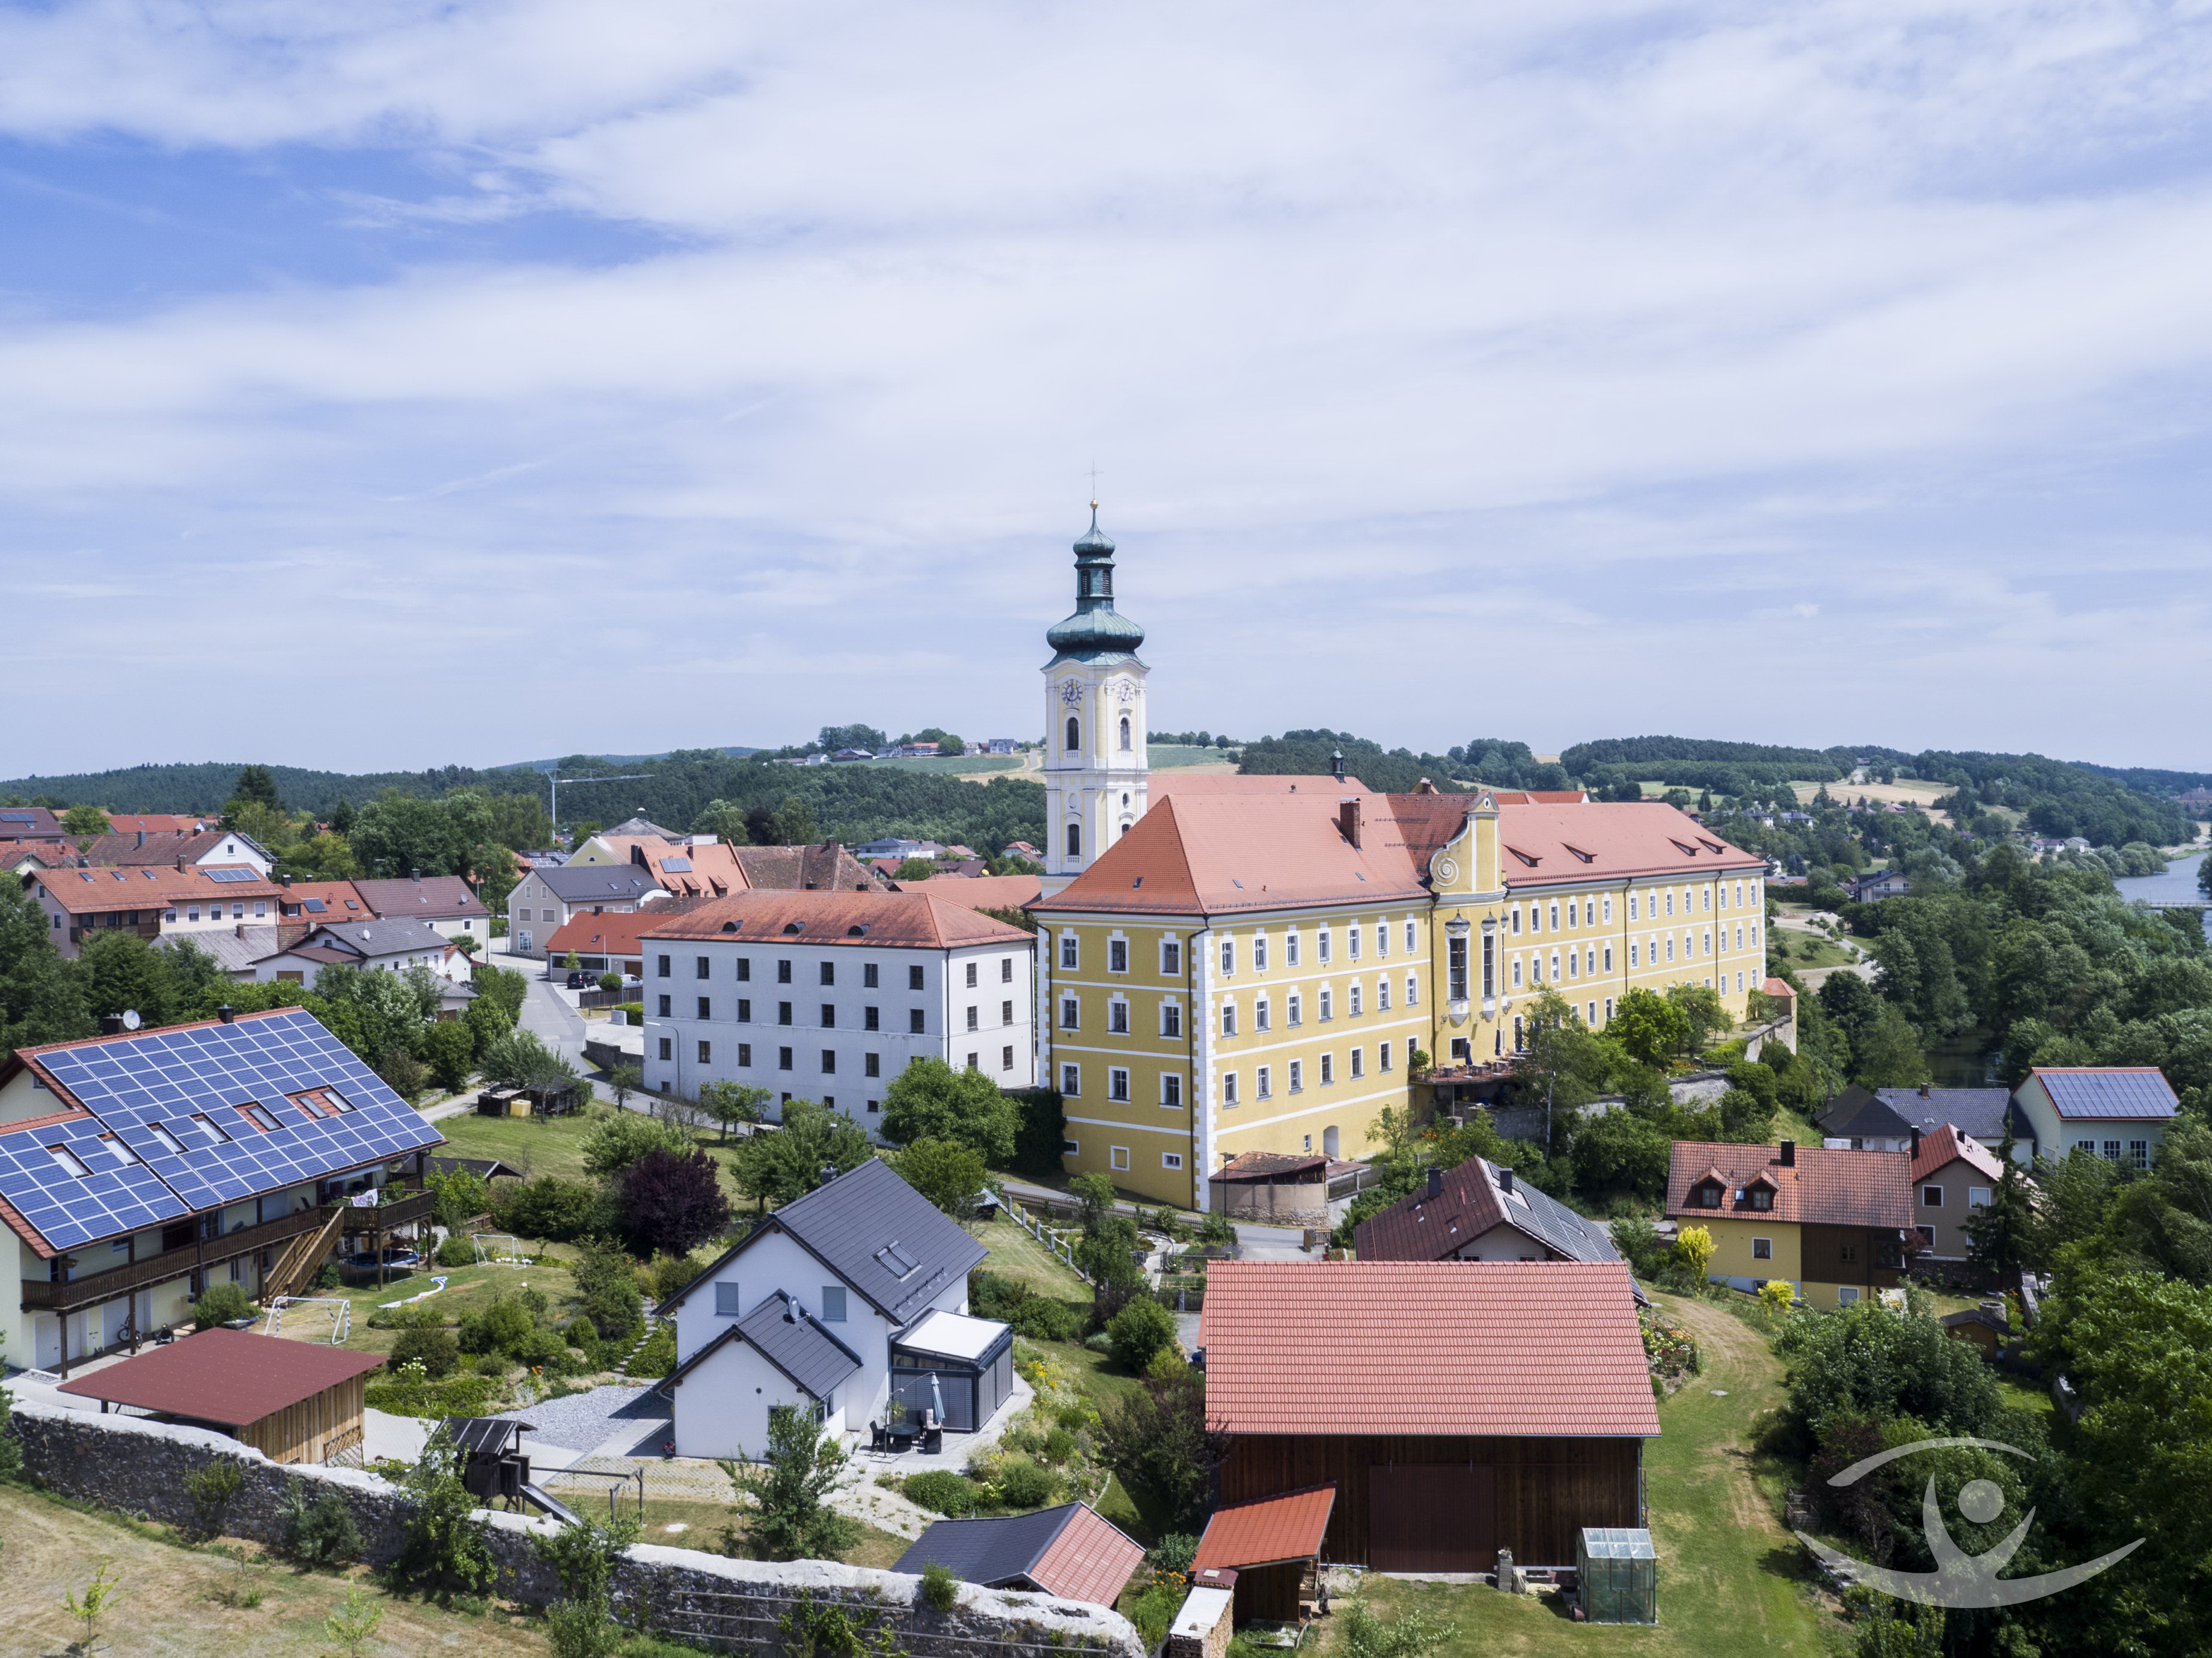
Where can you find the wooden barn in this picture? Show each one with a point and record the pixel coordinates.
(291, 1401)
(1457, 1407)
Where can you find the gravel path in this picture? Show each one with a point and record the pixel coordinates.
(584, 1421)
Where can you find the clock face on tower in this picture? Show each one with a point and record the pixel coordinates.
(1125, 691)
(1071, 692)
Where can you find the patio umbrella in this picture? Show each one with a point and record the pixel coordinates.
(937, 1399)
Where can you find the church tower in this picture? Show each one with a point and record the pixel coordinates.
(1096, 775)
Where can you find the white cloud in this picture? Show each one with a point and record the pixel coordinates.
(1626, 351)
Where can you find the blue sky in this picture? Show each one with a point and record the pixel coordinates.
(394, 385)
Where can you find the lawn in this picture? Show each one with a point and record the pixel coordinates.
(467, 1290)
(167, 1607)
(1163, 757)
(1731, 1581)
(537, 1145)
(949, 764)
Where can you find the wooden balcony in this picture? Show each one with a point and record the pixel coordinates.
(91, 1290)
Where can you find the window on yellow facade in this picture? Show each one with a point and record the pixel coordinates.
(1259, 1013)
(1228, 957)
(1381, 995)
(1290, 1007)
(1410, 937)
(1067, 950)
(1517, 972)
(1381, 938)
(1297, 1076)
(1117, 955)
(1555, 915)
(1229, 1088)
(1632, 905)
(1608, 958)
(1117, 1017)
(1259, 952)
(1321, 942)
(1117, 1084)
(1071, 1014)
(1352, 940)
(1171, 955)
(1261, 1079)
(1633, 955)
(1413, 991)
(1327, 1069)
(1171, 1019)
(1171, 1089)
(1354, 994)
(1228, 1018)
(1291, 949)
(1358, 1063)
(1071, 1080)
(1328, 1006)
(1382, 1056)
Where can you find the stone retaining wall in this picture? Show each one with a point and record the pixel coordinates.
(138, 1467)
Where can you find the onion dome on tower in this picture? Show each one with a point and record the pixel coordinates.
(1097, 632)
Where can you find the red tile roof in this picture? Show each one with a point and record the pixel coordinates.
(1542, 845)
(157, 846)
(619, 930)
(433, 898)
(342, 901)
(158, 822)
(1946, 1146)
(50, 854)
(867, 919)
(1822, 1188)
(978, 892)
(233, 1377)
(1176, 780)
(90, 891)
(1447, 1348)
(1091, 1559)
(1266, 1532)
(1220, 854)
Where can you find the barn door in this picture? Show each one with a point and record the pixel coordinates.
(1431, 1517)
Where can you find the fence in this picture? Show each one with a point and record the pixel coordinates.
(1052, 1242)
(606, 998)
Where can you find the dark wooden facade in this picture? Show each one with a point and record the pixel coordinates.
(1447, 1504)
(1274, 1594)
(1869, 1256)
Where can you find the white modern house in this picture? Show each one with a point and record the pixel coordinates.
(829, 995)
(837, 1303)
(2120, 1112)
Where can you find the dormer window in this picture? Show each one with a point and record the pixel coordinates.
(1758, 1196)
(896, 1261)
(1708, 1195)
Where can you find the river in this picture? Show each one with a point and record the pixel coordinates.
(2177, 886)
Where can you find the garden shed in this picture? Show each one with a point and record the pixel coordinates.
(292, 1401)
(1272, 1546)
(961, 1368)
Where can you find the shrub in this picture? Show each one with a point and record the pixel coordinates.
(608, 1290)
(610, 982)
(450, 1050)
(670, 1273)
(1171, 1556)
(931, 1101)
(219, 1304)
(329, 1277)
(1043, 1318)
(940, 1587)
(501, 1327)
(457, 1251)
(322, 1533)
(942, 1491)
(791, 1517)
(462, 1195)
(547, 1207)
(1139, 1330)
(948, 1174)
(1059, 1446)
(1099, 1342)
(657, 1358)
(1154, 1610)
(1023, 1485)
(543, 1349)
(412, 1393)
(431, 1346)
(670, 1202)
(211, 1485)
(616, 1142)
(442, 1545)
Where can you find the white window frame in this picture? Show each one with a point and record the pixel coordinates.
(1262, 1082)
(1171, 1090)
(1229, 1100)
(1291, 948)
(1171, 1020)
(1297, 1076)
(1170, 1159)
(1170, 956)
(1071, 1080)
(1259, 952)
(1117, 1084)
(1117, 1158)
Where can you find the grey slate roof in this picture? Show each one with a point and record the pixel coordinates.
(598, 883)
(2133, 1094)
(1472, 1200)
(1980, 1112)
(235, 951)
(1857, 1114)
(375, 938)
(891, 1244)
(992, 1552)
(783, 1332)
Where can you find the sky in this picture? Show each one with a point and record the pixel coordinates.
(388, 386)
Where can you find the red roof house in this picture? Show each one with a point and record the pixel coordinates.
(1458, 1408)
(1271, 1546)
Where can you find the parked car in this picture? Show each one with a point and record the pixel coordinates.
(580, 979)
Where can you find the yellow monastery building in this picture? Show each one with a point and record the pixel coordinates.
(1232, 964)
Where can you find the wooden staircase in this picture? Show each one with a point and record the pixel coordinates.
(296, 1267)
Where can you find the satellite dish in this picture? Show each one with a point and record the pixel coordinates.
(131, 1019)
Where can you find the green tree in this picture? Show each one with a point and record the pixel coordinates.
(614, 1142)
(442, 1548)
(2000, 1233)
(1156, 1439)
(791, 1518)
(725, 1104)
(914, 869)
(1704, 1018)
(1885, 1052)
(42, 997)
(449, 1049)
(582, 1556)
(85, 818)
(1621, 1152)
(948, 1174)
(99, 1599)
(1868, 1360)
(931, 1101)
(787, 1162)
(352, 1624)
(1139, 1330)
(255, 786)
(122, 972)
(1648, 1028)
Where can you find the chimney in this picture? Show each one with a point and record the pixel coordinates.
(828, 1173)
(180, 863)
(1435, 1181)
(1336, 764)
(1505, 1180)
(1347, 817)
(141, 837)
(418, 876)
(1788, 1157)
(111, 1024)
(227, 1013)
(1915, 1140)
(1923, 1090)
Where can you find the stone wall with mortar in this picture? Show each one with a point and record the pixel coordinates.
(138, 1467)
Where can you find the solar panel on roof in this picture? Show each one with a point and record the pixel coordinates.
(677, 865)
(314, 906)
(232, 875)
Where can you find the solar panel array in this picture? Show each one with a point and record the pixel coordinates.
(186, 1080)
(232, 875)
